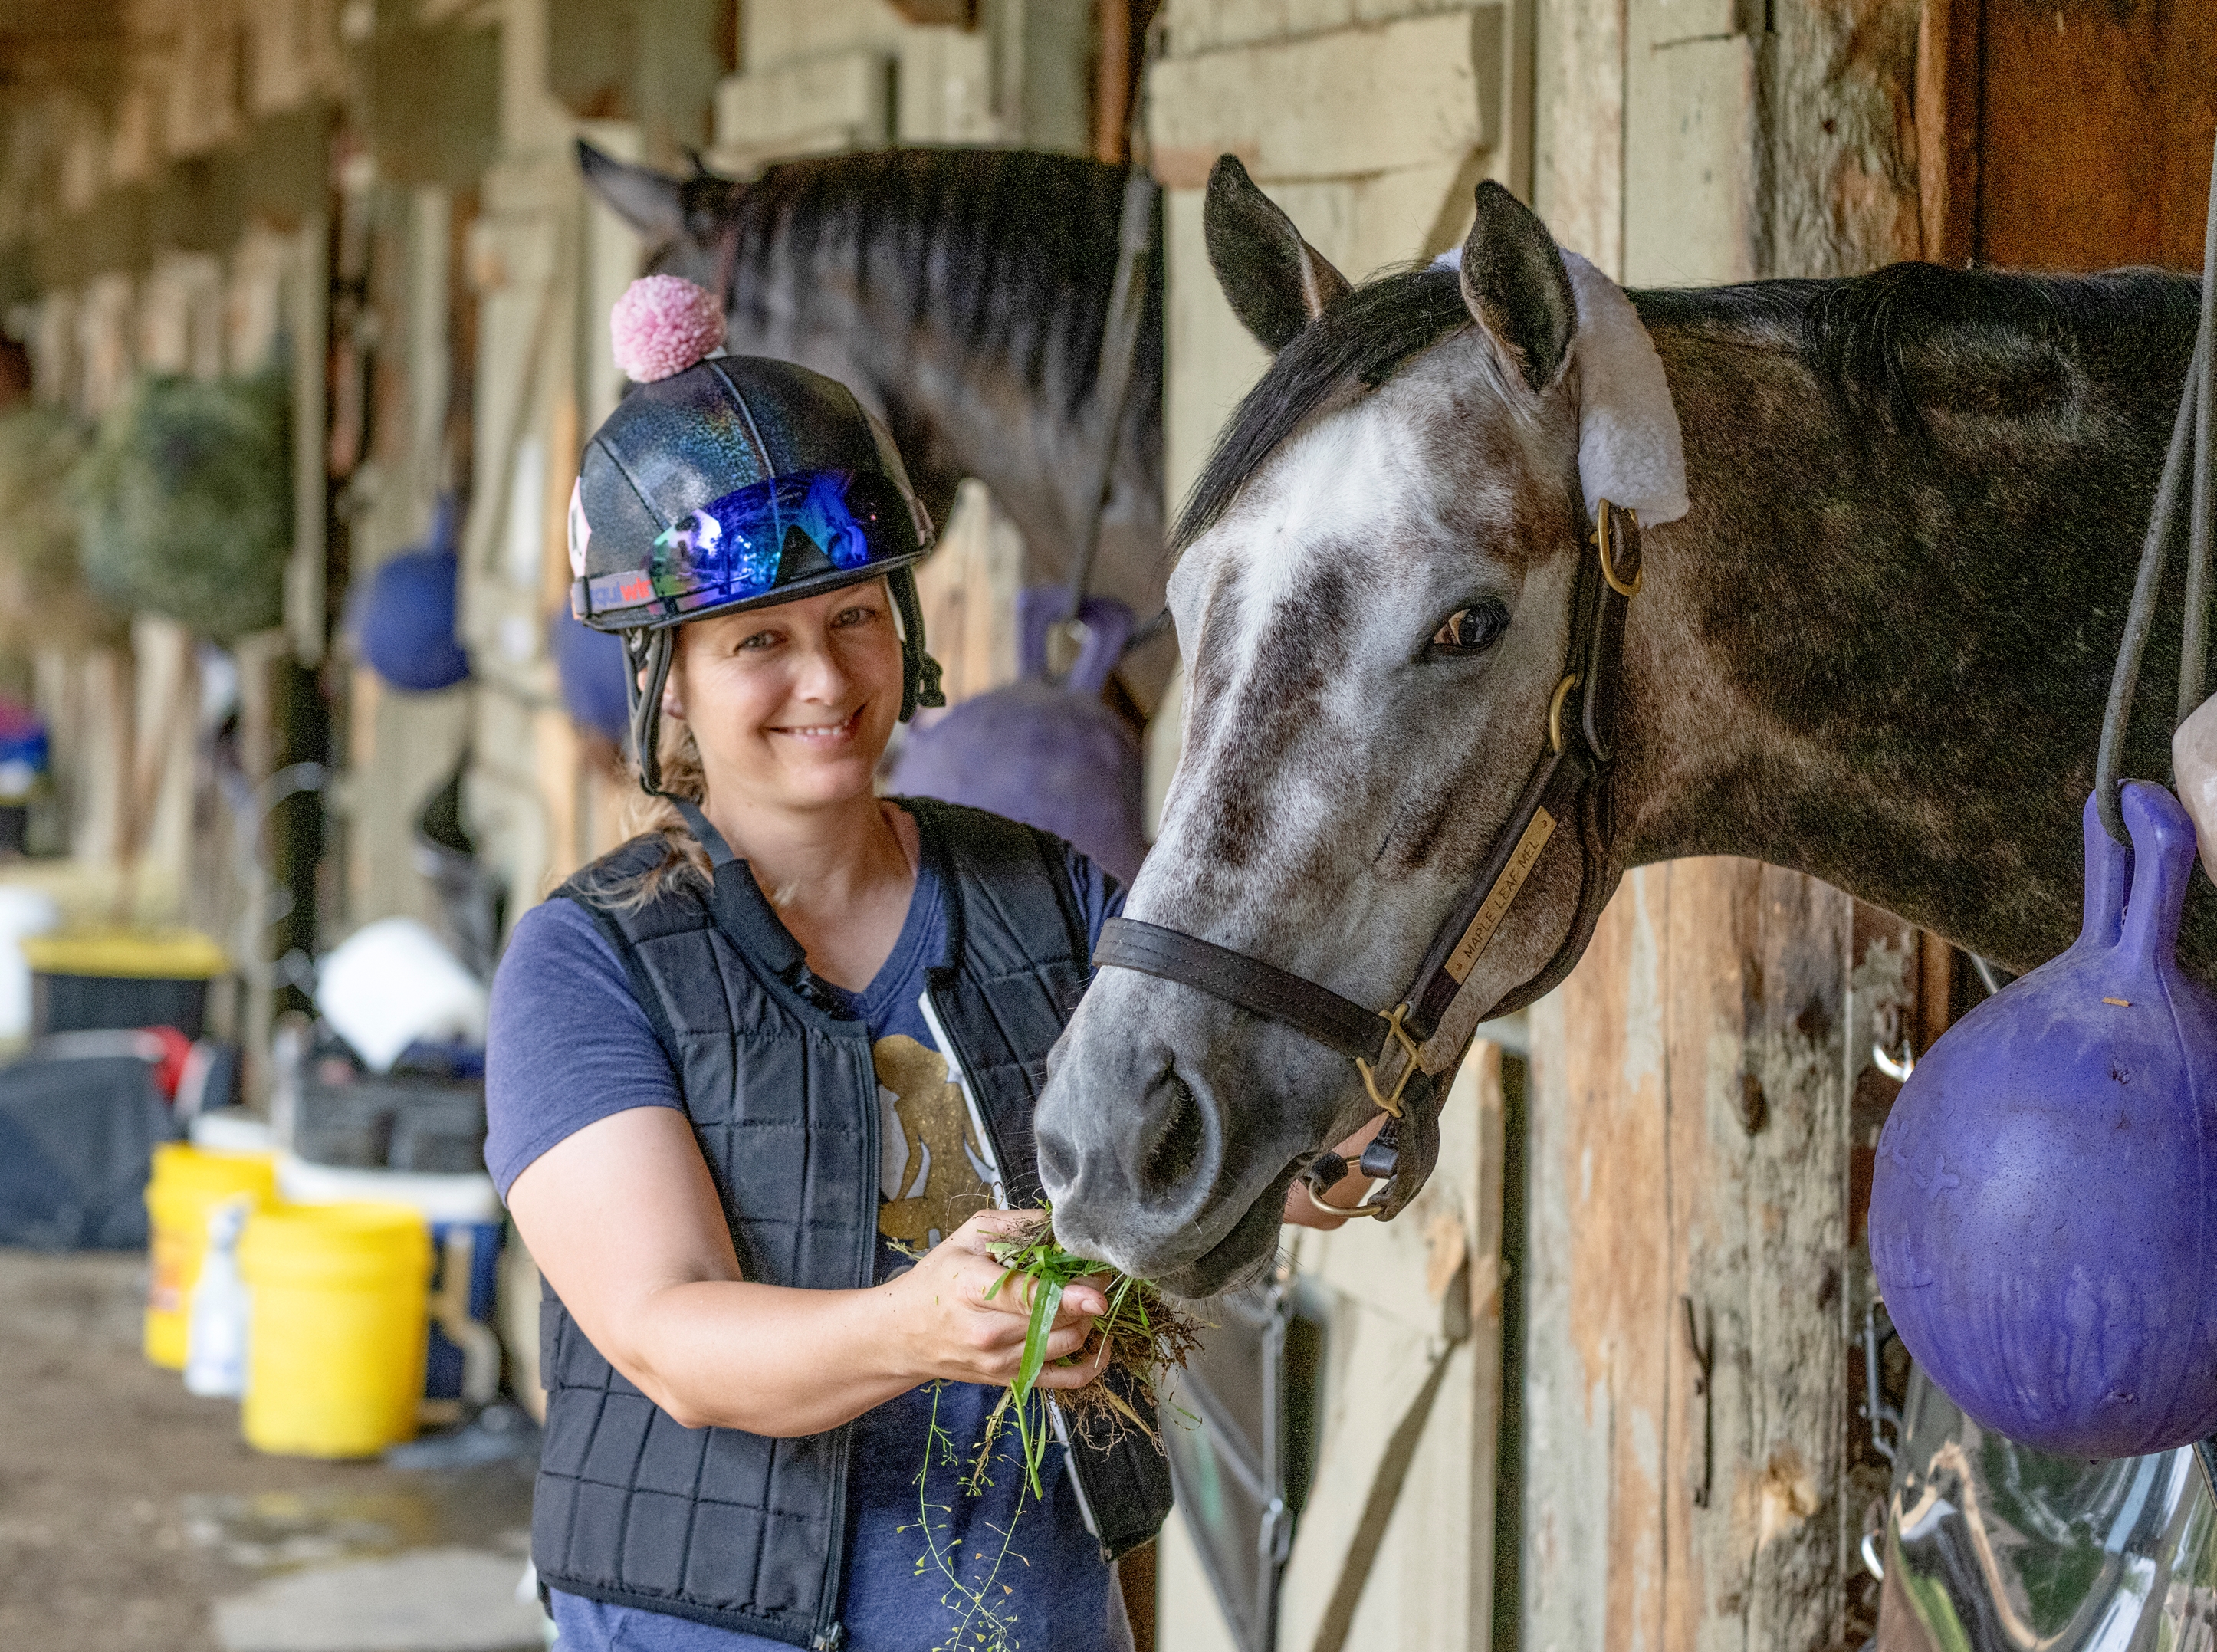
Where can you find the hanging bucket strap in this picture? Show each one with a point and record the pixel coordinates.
(2192, 424)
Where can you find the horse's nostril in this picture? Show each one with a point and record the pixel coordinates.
(1170, 1149)
(1055, 1165)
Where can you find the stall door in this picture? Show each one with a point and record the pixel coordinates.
(2066, 134)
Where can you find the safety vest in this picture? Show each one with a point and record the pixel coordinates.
(735, 1529)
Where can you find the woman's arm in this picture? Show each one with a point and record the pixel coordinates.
(623, 1220)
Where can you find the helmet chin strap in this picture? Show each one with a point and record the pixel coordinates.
(920, 672)
(648, 654)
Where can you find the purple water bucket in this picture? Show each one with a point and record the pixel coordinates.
(2041, 1218)
(1053, 756)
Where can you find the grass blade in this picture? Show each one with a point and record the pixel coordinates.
(1047, 1302)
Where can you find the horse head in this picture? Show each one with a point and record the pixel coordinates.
(1374, 596)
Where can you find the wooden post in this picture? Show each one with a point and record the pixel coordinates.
(1948, 105)
(1114, 90)
(1685, 1383)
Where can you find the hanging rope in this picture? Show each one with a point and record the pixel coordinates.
(2194, 419)
(1120, 343)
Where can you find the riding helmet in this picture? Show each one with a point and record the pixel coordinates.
(737, 482)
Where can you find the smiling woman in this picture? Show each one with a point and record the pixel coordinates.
(757, 1080)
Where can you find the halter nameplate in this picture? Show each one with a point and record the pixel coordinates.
(1522, 859)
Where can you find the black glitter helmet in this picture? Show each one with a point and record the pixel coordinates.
(737, 482)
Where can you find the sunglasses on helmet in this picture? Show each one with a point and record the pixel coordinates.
(771, 541)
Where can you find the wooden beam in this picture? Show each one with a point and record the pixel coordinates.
(1948, 112)
(1685, 1387)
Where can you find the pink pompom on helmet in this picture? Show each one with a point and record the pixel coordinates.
(662, 325)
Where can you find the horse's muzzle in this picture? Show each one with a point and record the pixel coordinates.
(1132, 1167)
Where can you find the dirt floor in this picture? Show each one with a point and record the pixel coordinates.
(134, 1519)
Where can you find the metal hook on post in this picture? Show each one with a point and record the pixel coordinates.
(1875, 1410)
(1703, 1354)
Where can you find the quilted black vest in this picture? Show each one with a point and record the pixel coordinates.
(732, 1528)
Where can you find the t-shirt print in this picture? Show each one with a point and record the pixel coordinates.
(934, 1175)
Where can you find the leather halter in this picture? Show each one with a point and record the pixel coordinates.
(1402, 1053)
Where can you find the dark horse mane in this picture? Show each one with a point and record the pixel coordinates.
(951, 239)
(1894, 341)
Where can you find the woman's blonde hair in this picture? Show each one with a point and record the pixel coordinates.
(684, 863)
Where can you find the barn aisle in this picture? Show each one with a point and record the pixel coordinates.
(133, 1518)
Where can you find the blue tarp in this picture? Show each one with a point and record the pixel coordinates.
(77, 1144)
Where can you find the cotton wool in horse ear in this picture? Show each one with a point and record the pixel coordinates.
(2041, 1219)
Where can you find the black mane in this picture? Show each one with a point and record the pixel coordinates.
(981, 235)
(1910, 336)
(1884, 342)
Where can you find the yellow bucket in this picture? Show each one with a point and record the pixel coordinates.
(341, 1314)
(186, 1185)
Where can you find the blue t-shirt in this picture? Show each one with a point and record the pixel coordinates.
(570, 1045)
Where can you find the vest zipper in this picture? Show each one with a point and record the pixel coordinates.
(830, 1633)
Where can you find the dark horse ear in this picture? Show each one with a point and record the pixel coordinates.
(1514, 283)
(651, 202)
(1277, 283)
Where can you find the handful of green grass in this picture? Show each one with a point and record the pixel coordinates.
(1146, 1334)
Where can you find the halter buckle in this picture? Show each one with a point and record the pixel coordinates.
(1391, 1103)
(1555, 711)
(1608, 566)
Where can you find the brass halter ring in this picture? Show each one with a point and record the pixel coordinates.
(1391, 1103)
(1608, 570)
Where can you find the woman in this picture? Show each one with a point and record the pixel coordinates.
(757, 1079)
(722, 1105)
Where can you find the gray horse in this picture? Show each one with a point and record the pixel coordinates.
(960, 292)
(1876, 649)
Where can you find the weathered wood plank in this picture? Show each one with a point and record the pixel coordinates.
(1598, 1294)
(1689, 1178)
(1773, 1553)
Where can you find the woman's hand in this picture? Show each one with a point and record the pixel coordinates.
(960, 1316)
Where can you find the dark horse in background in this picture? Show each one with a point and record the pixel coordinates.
(962, 294)
(1876, 650)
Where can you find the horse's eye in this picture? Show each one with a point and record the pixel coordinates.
(1471, 630)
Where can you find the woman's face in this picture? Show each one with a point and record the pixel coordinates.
(791, 706)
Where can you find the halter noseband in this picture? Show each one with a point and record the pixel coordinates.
(1428, 1030)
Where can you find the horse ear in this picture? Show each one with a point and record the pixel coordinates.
(649, 202)
(1514, 283)
(1276, 282)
